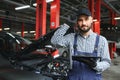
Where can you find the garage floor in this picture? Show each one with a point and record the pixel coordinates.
(113, 73)
(8, 73)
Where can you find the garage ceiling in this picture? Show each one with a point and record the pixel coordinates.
(68, 10)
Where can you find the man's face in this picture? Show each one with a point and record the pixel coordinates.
(84, 23)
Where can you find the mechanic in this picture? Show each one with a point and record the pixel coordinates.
(84, 42)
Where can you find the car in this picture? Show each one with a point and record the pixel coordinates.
(40, 56)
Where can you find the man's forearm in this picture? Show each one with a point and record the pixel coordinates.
(58, 35)
(101, 66)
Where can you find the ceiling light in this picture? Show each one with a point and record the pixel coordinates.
(94, 20)
(47, 1)
(6, 28)
(22, 7)
(35, 4)
(18, 32)
(28, 6)
(32, 31)
(117, 18)
(25, 31)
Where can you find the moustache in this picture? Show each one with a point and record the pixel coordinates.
(83, 26)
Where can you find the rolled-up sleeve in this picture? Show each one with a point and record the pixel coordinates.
(58, 37)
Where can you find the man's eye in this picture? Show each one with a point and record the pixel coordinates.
(87, 19)
(79, 19)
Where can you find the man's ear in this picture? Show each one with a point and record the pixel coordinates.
(76, 27)
(91, 19)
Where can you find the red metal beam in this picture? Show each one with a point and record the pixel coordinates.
(112, 49)
(95, 10)
(102, 3)
(40, 18)
(97, 16)
(54, 14)
(112, 14)
(91, 7)
(96, 27)
(113, 21)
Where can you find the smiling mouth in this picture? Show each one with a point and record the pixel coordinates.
(84, 27)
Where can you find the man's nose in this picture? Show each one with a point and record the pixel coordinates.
(84, 22)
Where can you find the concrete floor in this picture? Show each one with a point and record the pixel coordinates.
(8, 73)
(113, 73)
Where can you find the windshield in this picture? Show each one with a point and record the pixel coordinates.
(13, 42)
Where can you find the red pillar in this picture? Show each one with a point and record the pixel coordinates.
(40, 18)
(95, 10)
(96, 27)
(97, 16)
(112, 49)
(0, 24)
(113, 21)
(22, 30)
(91, 7)
(54, 14)
(97, 6)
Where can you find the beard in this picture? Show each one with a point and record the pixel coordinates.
(83, 30)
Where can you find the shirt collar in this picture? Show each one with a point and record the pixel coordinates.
(91, 33)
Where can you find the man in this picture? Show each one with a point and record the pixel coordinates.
(84, 42)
